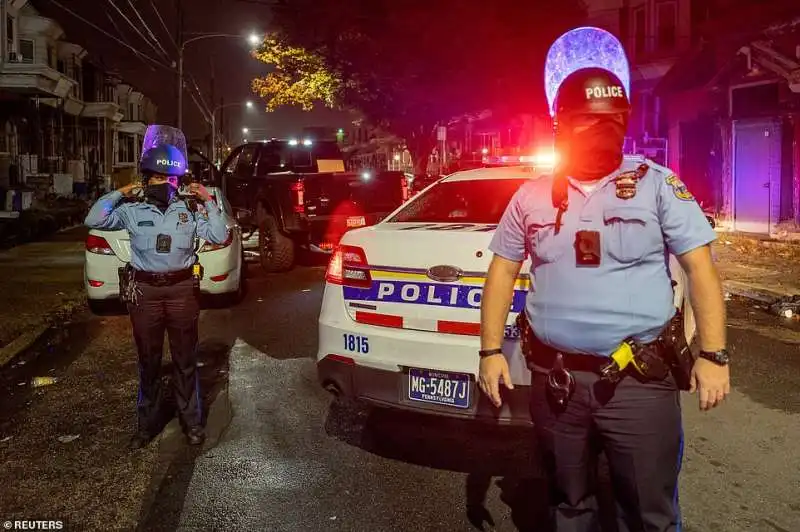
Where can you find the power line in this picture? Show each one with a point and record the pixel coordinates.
(103, 32)
(163, 24)
(136, 29)
(122, 36)
(147, 28)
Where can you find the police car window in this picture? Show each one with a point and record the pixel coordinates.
(461, 201)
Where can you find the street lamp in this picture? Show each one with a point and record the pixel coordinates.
(245, 130)
(253, 39)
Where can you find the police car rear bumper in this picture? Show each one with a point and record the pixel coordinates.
(342, 377)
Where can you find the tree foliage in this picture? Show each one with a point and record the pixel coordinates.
(298, 77)
(409, 65)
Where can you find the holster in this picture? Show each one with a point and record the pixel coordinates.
(125, 279)
(679, 355)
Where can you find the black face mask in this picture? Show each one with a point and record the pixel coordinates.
(159, 195)
(594, 152)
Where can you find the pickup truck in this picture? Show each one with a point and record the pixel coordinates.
(298, 197)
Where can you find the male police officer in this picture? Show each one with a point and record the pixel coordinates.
(598, 233)
(163, 231)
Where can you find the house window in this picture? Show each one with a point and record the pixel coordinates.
(125, 149)
(130, 113)
(51, 56)
(10, 32)
(26, 50)
(639, 31)
(667, 24)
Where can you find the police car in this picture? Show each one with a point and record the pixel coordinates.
(400, 319)
(107, 251)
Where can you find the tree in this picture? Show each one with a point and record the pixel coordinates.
(410, 65)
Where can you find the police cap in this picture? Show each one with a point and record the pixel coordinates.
(164, 160)
(591, 91)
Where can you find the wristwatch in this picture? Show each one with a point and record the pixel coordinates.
(720, 357)
(489, 352)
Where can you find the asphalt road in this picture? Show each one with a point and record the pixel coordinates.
(282, 456)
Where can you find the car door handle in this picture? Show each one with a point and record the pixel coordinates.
(765, 185)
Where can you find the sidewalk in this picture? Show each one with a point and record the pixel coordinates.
(758, 269)
(40, 284)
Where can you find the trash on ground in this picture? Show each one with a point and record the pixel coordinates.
(68, 438)
(786, 307)
(38, 382)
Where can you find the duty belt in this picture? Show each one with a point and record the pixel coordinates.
(162, 279)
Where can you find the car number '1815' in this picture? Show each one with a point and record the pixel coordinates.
(356, 344)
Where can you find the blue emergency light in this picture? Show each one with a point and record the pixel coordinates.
(586, 47)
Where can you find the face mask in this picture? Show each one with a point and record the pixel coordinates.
(160, 195)
(596, 151)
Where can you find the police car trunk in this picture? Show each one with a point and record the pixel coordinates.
(400, 320)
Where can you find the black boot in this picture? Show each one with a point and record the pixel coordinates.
(196, 435)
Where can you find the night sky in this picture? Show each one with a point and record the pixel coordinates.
(228, 58)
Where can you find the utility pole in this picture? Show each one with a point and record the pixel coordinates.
(213, 116)
(179, 41)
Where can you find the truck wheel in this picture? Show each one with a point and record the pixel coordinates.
(276, 250)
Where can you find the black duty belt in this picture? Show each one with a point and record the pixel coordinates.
(162, 279)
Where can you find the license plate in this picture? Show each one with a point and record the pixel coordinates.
(439, 387)
(356, 221)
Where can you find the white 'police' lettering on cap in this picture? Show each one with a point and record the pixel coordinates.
(167, 162)
(604, 92)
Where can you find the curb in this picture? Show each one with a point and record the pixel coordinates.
(26, 340)
(22, 343)
(756, 294)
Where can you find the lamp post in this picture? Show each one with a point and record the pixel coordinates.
(247, 104)
(254, 40)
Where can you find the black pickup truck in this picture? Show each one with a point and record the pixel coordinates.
(298, 197)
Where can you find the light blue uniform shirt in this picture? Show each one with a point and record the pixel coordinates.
(591, 310)
(144, 222)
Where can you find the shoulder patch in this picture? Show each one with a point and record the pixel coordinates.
(678, 188)
(183, 217)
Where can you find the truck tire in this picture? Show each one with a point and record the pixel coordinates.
(276, 250)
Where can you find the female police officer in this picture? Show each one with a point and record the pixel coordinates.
(598, 233)
(163, 230)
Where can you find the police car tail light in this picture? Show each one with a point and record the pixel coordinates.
(298, 191)
(98, 245)
(208, 246)
(349, 267)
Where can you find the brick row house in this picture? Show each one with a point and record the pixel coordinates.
(67, 123)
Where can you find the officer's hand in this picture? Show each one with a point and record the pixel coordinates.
(712, 381)
(491, 369)
(200, 191)
(130, 189)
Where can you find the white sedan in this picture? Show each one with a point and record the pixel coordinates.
(108, 251)
(400, 318)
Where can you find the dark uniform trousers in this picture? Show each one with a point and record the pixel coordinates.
(174, 309)
(638, 424)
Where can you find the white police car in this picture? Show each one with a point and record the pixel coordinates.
(400, 318)
(107, 251)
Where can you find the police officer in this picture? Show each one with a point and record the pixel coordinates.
(163, 231)
(598, 232)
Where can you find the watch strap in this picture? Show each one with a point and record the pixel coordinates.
(490, 352)
(720, 357)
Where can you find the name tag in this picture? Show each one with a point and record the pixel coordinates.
(146, 223)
